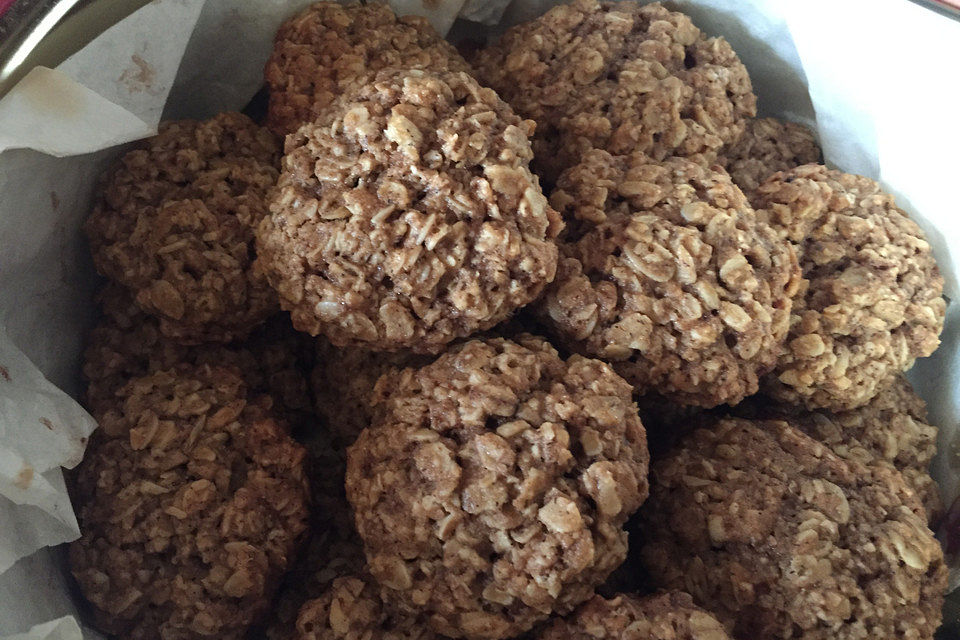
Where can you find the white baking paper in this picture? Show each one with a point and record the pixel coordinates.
(874, 77)
(65, 628)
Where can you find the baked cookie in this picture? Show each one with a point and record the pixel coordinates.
(873, 300)
(493, 486)
(624, 77)
(780, 538)
(408, 217)
(173, 223)
(768, 145)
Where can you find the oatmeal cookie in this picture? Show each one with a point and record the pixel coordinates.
(768, 145)
(190, 503)
(492, 488)
(874, 299)
(670, 276)
(664, 616)
(408, 217)
(321, 52)
(892, 428)
(127, 343)
(780, 538)
(622, 77)
(174, 220)
(352, 609)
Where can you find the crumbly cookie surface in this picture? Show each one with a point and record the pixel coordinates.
(767, 146)
(494, 485)
(873, 301)
(173, 223)
(665, 616)
(322, 51)
(128, 343)
(622, 77)
(191, 502)
(669, 275)
(780, 538)
(892, 428)
(409, 217)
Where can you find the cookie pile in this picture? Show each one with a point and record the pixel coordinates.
(386, 366)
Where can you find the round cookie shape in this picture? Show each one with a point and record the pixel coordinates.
(322, 51)
(669, 615)
(173, 223)
(892, 429)
(873, 300)
(191, 503)
(669, 275)
(493, 486)
(351, 609)
(780, 538)
(409, 217)
(620, 76)
(767, 146)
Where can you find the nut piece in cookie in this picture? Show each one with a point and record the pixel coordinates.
(493, 486)
(768, 145)
(190, 502)
(780, 538)
(670, 276)
(890, 429)
(873, 300)
(351, 609)
(622, 77)
(408, 217)
(319, 53)
(665, 616)
(174, 220)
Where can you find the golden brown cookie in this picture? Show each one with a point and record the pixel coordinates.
(619, 76)
(493, 487)
(779, 538)
(173, 223)
(322, 51)
(409, 217)
(768, 145)
(664, 616)
(191, 503)
(670, 276)
(873, 302)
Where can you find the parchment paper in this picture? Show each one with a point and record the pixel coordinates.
(875, 77)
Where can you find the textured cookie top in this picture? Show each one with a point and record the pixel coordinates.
(892, 428)
(768, 145)
(780, 538)
(173, 223)
(874, 299)
(619, 76)
(322, 51)
(409, 216)
(674, 279)
(664, 616)
(493, 487)
(352, 609)
(127, 343)
(190, 504)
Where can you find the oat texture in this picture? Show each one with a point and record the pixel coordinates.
(622, 77)
(665, 616)
(779, 538)
(892, 428)
(323, 51)
(873, 302)
(670, 275)
(409, 217)
(191, 503)
(128, 343)
(492, 488)
(173, 223)
(768, 145)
